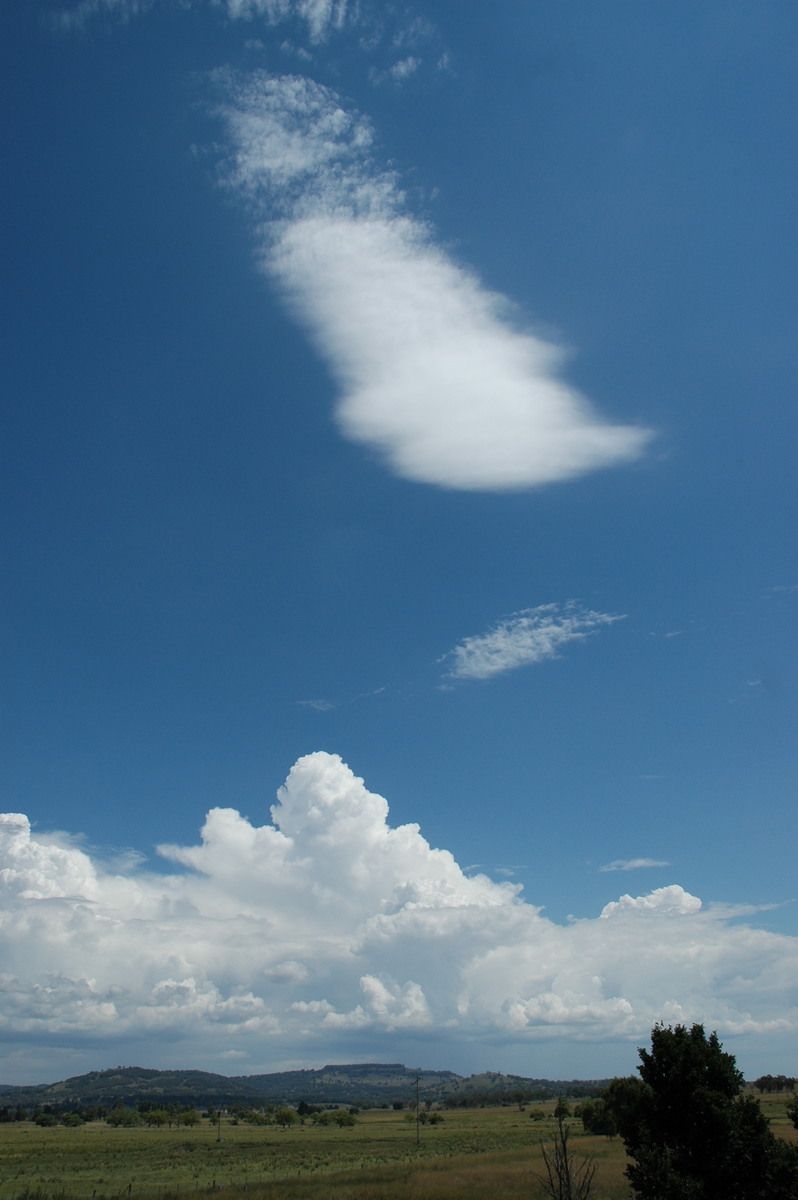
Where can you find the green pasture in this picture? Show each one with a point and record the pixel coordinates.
(473, 1154)
(378, 1157)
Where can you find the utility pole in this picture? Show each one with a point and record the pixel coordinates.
(418, 1114)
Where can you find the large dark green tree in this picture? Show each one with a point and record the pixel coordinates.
(691, 1132)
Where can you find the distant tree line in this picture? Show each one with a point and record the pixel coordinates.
(774, 1083)
(519, 1096)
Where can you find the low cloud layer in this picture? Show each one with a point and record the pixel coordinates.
(434, 373)
(329, 932)
(527, 637)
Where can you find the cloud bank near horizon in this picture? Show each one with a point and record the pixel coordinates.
(329, 931)
(435, 374)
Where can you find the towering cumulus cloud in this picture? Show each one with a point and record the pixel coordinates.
(327, 931)
(433, 374)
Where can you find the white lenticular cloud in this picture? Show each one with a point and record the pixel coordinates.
(328, 931)
(433, 374)
(527, 637)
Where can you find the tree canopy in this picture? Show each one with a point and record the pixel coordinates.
(691, 1132)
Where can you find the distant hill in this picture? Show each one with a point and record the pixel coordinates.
(353, 1083)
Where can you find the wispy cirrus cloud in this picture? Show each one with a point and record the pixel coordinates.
(434, 373)
(87, 10)
(527, 637)
(321, 17)
(633, 864)
(328, 931)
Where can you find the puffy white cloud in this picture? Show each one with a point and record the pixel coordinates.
(530, 636)
(329, 931)
(434, 373)
(38, 870)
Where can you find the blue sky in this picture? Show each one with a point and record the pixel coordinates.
(404, 393)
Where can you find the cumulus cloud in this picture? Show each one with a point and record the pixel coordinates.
(434, 373)
(633, 864)
(530, 636)
(328, 930)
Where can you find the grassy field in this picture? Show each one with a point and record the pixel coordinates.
(471, 1155)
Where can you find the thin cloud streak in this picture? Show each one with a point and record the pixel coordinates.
(633, 864)
(327, 930)
(523, 639)
(434, 375)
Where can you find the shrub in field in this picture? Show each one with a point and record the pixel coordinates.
(597, 1117)
(121, 1116)
(45, 1119)
(286, 1117)
(253, 1117)
(156, 1116)
(335, 1116)
(345, 1119)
